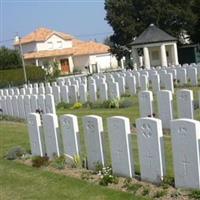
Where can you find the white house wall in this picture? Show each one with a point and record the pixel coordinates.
(106, 61)
(81, 61)
(54, 39)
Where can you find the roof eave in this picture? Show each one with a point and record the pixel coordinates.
(137, 44)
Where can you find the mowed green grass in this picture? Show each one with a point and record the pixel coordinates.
(19, 182)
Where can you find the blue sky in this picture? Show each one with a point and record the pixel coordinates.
(81, 18)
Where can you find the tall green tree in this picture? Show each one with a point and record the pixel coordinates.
(195, 31)
(9, 58)
(129, 18)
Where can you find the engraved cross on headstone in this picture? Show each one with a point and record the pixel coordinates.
(146, 130)
(182, 131)
(185, 164)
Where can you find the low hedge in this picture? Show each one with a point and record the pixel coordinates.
(15, 77)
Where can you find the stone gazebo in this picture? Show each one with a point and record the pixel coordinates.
(159, 48)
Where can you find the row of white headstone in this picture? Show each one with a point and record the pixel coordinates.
(185, 105)
(185, 145)
(111, 85)
(20, 106)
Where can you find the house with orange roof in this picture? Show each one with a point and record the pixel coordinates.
(45, 45)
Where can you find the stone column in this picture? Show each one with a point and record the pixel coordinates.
(146, 58)
(174, 54)
(37, 62)
(163, 56)
(71, 63)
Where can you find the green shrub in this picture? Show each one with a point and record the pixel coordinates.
(195, 194)
(159, 194)
(133, 187)
(15, 77)
(38, 161)
(126, 95)
(114, 103)
(85, 175)
(77, 162)
(59, 162)
(125, 103)
(14, 153)
(145, 191)
(168, 180)
(77, 105)
(63, 105)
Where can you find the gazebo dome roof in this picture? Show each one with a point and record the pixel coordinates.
(153, 35)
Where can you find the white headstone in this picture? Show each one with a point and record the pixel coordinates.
(192, 75)
(131, 83)
(185, 146)
(185, 103)
(83, 93)
(69, 127)
(15, 106)
(27, 105)
(144, 82)
(93, 128)
(56, 94)
(72, 94)
(34, 103)
(34, 127)
(169, 84)
(92, 92)
(50, 104)
(151, 149)
(103, 92)
(121, 152)
(181, 76)
(145, 103)
(41, 103)
(9, 105)
(155, 83)
(22, 113)
(165, 107)
(50, 124)
(114, 91)
(64, 93)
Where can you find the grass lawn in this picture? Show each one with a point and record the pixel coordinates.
(18, 181)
